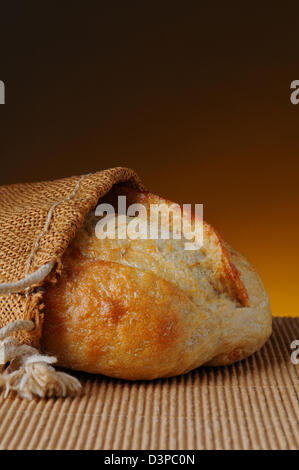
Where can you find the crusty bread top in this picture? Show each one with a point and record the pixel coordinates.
(204, 273)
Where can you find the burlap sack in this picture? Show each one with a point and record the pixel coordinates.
(37, 223)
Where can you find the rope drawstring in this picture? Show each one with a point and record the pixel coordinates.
(27, 371)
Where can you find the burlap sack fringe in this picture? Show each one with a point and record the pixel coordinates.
(22, 367)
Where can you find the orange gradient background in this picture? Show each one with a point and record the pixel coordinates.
(196, 99)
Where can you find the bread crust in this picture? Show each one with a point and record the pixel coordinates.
(144, 309)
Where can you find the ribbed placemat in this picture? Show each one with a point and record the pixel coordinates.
(250, 405)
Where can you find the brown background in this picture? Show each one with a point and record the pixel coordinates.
(196, 99)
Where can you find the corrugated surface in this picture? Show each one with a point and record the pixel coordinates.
(250, 405)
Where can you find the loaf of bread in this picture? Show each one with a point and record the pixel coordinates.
(146, 308)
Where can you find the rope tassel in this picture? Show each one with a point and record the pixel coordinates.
(24, 370)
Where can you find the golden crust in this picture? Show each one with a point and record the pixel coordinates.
(142, 309)
(117, 320)
(228, 275)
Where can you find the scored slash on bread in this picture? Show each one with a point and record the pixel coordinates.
(224, 276)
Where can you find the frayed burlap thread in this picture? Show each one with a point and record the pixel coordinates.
(37, 223)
